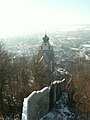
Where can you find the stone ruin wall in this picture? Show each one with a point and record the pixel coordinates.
(39, 103)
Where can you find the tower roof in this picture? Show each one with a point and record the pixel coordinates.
(45, 38)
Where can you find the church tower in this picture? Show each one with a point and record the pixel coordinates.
(46, 53)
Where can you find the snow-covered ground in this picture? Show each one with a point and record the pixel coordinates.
(62, 110)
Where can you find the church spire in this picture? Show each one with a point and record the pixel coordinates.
(45, 38)
(46, 50)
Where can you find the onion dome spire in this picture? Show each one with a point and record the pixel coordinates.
(45, 38)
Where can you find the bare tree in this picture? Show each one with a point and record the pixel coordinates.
(4, 72)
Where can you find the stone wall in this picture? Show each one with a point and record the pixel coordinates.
(36, 105)
(55, 92)
(39, 103)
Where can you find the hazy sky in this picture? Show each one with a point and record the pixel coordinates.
(18, 17)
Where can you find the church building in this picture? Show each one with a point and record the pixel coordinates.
(46, 54)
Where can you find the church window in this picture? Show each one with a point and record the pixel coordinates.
(49, 47)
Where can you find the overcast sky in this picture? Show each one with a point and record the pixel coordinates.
(19, 17)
